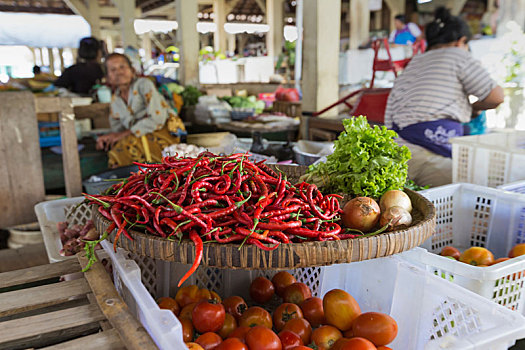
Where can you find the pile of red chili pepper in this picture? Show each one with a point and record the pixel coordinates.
(224, 199)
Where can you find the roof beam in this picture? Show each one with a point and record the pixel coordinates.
(261, 5)
(161, 10)
(112, 12)
(78, 7)
(231, 6)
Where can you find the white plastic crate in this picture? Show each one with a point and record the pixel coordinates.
(471, 215)
(431, 313)
(49, 213)
(518, 187)
(489, 160)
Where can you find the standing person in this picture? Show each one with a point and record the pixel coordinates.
(405, 33)
(141, 120)
(82, 76)
(430, 101)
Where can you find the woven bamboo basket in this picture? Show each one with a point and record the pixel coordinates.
(286, 256)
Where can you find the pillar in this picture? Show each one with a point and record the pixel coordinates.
(188, 37)
(359, 22)
(321, 60)
(396, 7)
(219, 36)
(126, 11)
(146, 45)
(51, 60)
(274, 18)
(61, 57)
(94, 18)
(231, 43)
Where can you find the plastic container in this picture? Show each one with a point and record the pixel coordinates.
(96, 187)
(489, 160)
(239, 113)
(308, 152)
(49, 213)
(518, 187)
(471, 215)
(444, 314)
(21, 235)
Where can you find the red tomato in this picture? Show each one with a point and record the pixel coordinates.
(281, 280)
(353, 344)
(284, 313)
(208, 317)
(377, 327)
(289, 340)
(301, 347)
(187, 329)
(191, 294)
(187, 311)
(261, 290)
(301, 327)
(232, 344)
(168, 303)
(313, 311)
(499, 260)
(235, 305)
(340, 309)
(262, 338)
(256, 316)
(296, 293)
(450, 251)
(194, 346)
(325, 337)
(240, 332)
(477, 256)
(209, 340)
(517, 250)
(229, 326)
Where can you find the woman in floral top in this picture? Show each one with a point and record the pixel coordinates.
(141, 120)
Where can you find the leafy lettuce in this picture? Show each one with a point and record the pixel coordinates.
(366, 161)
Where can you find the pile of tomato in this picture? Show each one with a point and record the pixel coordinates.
(298, 322)
(479, 256)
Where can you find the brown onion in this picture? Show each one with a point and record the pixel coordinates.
(395, 217)
(361, 213)
(395, 198)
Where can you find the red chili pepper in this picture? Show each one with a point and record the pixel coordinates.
(279, 226)
(198, 256)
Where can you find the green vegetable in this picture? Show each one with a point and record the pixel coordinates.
(366, 161)
(190, 95)
(411, 185)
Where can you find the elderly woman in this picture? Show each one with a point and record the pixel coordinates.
(429, 102)
(142, 122)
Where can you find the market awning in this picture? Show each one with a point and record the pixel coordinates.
(42, 30)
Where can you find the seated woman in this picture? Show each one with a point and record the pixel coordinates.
(141, 120)
(430, 101)
(405, 33)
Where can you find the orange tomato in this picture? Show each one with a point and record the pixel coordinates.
(301, 327)
(284, 313)
(383, 348)
(517, 250)
(281, 280)
(194, 346)
(256, 316)
(450, 251)
(191, 294)
(187, 311)
(187, 329)
(169, 304)
(353, 344)
(377, 327)
(497, 261)
(477, 256)
(215, 296)
(209, 340)
(313, 311)
(229, 326)
(325, 337)
(340, 309)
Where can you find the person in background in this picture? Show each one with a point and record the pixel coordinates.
(429, 102)
(82, 76)
(405, 33)
(142, 122)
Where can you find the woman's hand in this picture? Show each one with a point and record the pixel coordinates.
(106, 142)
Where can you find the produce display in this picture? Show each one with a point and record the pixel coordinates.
(366, 161)
(74, 238)
(479, 256)
(220, 199)
(299, 321)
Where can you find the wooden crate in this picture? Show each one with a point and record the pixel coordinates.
(291, 109)
(39, 310)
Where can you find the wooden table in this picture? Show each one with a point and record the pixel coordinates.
(38, 310)
(324, 128)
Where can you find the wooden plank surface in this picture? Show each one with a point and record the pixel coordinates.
(38, 273)
(108, 340)
(21, 258)
(21, 175)
(70, 157)
(47, 104)
(54, 326)
(116, 311)
(41, 296)
(97, 112)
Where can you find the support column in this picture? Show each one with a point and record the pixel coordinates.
(51, 60)
(146, 45)
(219, 36)
(321, 63)
(61, 57)
(274, 18)
(188, 38)
(359, 22)
(396, 7)
(231, 43)
(126, 11)
(33, 54)
(94, 19)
